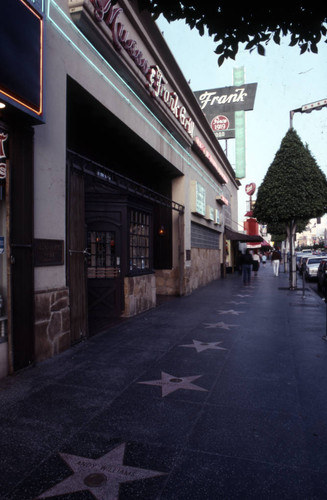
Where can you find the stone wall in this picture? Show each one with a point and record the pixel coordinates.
(52, 323)
(167, 281)
(204, 268)
(139, 293)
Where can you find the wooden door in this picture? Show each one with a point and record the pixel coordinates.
(21, 272)
(77, 257)
(103, 272)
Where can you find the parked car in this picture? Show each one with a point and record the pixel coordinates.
(322, 276)
(311, 267)
(303, 260)
(299, 257)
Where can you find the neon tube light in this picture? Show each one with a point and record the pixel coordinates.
(37, 110)
(185, 155)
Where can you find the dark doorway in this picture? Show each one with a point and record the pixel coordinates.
(104, 278)
(20, 181)
(76, 256)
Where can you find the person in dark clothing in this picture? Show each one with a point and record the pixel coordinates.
(247, 262)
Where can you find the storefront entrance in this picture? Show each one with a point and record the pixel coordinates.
(94, 257)
(103, 274)
(119, 233)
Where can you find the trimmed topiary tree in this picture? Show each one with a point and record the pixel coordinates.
(294, 189)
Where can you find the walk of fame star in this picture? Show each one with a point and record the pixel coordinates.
(203, 346)
(231, 311)
(101, 476)
(171, 383)
(220, 324)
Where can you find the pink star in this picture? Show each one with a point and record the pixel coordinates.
(170, 383)
(101, 476)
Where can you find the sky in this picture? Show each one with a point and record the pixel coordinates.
(286, 81)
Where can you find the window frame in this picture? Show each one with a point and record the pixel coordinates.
(140, 238)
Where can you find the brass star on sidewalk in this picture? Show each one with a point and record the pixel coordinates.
(231, 311)
(171, 383)
(220, 324)
(203, 346)
(101, 476)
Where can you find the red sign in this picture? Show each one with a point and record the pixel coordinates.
(250, 189)
(220, 122)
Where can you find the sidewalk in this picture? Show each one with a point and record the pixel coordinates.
(218, 395)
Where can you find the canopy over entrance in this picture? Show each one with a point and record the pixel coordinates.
(236, 236)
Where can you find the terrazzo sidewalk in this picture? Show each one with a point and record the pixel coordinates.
(217, 395)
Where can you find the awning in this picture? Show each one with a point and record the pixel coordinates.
(235, 236)
(264, 243)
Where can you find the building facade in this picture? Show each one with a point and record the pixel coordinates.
(116, 192)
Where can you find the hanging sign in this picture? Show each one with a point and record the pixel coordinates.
(219, 106)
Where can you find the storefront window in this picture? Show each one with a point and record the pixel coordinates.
(139, 242)
(101, 254)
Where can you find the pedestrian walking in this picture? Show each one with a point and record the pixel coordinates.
(256, 262)
(275, 259)
(247, 262)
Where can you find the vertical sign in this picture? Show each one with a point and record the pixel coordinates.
(3, 169)
(238, 79)
(3, 166)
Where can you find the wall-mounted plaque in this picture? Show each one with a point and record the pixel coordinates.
(48, 252)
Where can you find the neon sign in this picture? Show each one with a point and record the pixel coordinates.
(22, 33)
(156, 87)
(210, 158)
(105, 12)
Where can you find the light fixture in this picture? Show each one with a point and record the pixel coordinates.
(2, 105)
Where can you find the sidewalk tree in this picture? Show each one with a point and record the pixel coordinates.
(293, 190)
(231, 25)
(278, 230)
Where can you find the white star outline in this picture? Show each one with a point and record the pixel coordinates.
(237, 302)
(101, 476)
(220, 324)
(201, 346)
(171, 383)
(230, 311)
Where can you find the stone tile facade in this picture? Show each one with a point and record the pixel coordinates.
(205, 267)
(140, 294)
(52, 323)
(167, 281)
